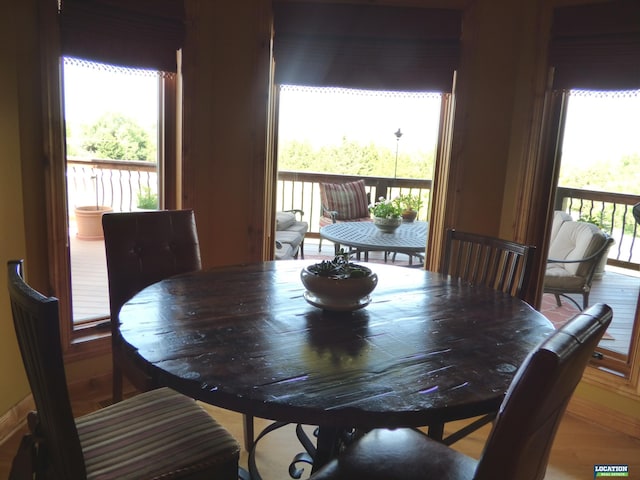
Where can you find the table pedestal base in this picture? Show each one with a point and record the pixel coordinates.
(330, 442)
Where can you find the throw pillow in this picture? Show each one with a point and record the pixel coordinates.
(348, 199)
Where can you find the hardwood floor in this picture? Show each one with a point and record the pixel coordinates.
(578, 446)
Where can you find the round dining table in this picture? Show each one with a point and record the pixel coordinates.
(427, 349)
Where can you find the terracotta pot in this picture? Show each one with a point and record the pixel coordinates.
(409, 216)
(89, 222)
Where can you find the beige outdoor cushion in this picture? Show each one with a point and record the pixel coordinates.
(284, 220)
(574, 240)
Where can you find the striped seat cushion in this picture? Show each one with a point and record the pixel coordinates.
(348, 199)
(157, 434)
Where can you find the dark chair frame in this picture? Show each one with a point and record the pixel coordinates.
(143, 248)
(495, 263)
(584, 289)
(54, 446)
(518, 446)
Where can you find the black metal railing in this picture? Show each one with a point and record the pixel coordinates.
(117, 183)
(302, 190)
(111, 183)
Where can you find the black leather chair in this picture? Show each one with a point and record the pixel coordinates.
(519, 444)
(157, 434)
(143, 248)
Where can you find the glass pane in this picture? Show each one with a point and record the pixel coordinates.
(111, 117)
(599, 184)
(333, 135)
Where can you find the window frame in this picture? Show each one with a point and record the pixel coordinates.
(90, 338)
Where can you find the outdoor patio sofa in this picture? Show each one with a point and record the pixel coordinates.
(290, 232)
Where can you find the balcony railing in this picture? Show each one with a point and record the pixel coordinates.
(612, 213)
(112, 183)
(116, 183)
(301, 190)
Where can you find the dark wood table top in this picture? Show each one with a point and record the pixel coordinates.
(426, 350)
(409, 237)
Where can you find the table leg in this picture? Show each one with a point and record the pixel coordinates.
(436, 431)
(327, 447)
(247, 421)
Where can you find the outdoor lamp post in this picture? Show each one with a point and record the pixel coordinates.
(398, 134)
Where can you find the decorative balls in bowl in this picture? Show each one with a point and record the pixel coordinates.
(338, 284)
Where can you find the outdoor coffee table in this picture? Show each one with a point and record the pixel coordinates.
(364, 237)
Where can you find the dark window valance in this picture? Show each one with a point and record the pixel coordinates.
(596, 46)
(366, 46)
(134, 33)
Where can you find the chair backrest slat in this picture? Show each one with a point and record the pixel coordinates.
(492, 262)
(36, 323)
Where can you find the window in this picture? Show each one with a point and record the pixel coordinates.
(387, 137)
(594, 52)
(600, 161)
(145, 34)
(111, 119)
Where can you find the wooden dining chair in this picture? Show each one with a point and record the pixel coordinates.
(143, 248)
(519, 444)
(157, 434)
(492, 262)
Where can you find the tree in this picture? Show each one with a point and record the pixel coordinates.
(115, 136)
(353, 158)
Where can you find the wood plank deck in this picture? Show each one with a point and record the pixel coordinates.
(618, 287)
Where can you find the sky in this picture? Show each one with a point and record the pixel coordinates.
(323, 116)
(90, 92)
(601, 127)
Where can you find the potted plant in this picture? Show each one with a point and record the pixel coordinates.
(386, 214)
(147, 200)
(410, 205)
(338, 284)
